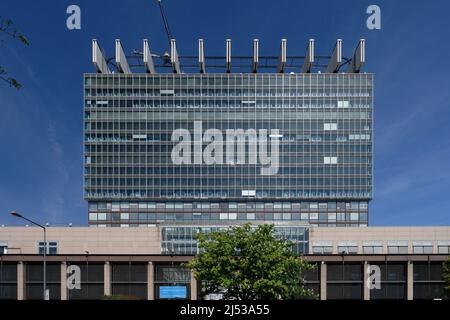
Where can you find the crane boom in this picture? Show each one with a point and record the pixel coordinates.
(166, 23)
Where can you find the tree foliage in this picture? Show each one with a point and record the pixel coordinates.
(446, 278)
(247, 263)
(7, 28)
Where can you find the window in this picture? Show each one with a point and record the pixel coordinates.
(422, 247)
(347, 247)
(342, 104)
(101, 216)
(313, 205)
(427, 280)
(372, 247)
(167, 92)
(8, 280)
(34, 275)
(312, 279)
(3, 247)
(175, 276)
(52, 247)
(347, 250)
(393, 281)
(248, 193)
(91, 282)
(223, 216)
(322, 250)
(332, 217)
(322, 247)
(139, 137)
(314, 216)
(443, 247)
(323, 206)
(344, 281)
(372, 250)
(330, 126)
(330, 160)
(129, 279)
(397, 247)
(142, 205)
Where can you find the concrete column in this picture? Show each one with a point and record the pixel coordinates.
(107, 279)
(150, 281)
(366, 290)
(193, 286)
(409, 281)
(64, 293)
(323, 281)
(20, 281)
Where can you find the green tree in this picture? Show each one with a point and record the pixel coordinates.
(446, 278)
(247, 263)
(7, 28)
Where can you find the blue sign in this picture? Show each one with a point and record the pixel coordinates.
(173, 292)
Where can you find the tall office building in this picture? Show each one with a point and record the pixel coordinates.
(283, 139)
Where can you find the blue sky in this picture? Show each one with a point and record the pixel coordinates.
(41, 124)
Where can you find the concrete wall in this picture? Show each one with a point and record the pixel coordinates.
(382, 234)
(78, 240)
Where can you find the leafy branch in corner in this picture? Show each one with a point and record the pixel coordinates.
(7, 28)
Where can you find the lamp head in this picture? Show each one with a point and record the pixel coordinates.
(15, 214)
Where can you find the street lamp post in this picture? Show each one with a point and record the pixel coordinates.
(18, 215)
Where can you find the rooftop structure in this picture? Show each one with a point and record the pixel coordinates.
(149, 62)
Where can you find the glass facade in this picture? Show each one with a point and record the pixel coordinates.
(34, 281)
(92, 282)
(323, 172)
(393, 281)
(428, 280)
(129, 279)
(8, 281)
(312, 280)
(170, 279)
(172, 276)
(344, 281)
(180, 239)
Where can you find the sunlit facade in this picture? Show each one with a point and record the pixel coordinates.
(324, 171)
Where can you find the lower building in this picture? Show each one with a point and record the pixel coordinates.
(146, 263)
